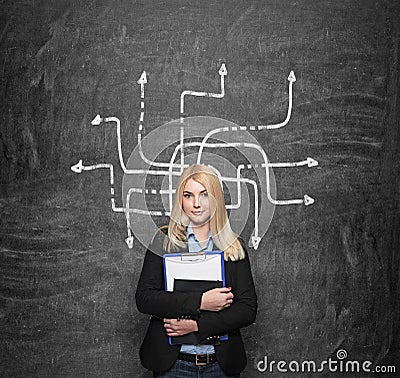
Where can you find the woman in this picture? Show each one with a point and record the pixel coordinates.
(199, 222)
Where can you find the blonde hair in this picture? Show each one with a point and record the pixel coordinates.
(223, 236)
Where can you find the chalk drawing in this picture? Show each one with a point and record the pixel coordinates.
(222, 73)
(79, 167)
(214, 141)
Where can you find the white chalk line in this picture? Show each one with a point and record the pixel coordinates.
(222, 73)
(307, 200)
(142, 81)
(256, 238)
(79, 167)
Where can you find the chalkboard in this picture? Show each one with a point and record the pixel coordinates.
(327, 275)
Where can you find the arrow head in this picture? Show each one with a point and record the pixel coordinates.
(129, 242)
(77, 168)
(292, 77)
(308, 200)
(312, 162)
(97, 120)
(255, 241)
(222, 71)
(143, 78)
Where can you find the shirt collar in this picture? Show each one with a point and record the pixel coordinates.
(190, 229)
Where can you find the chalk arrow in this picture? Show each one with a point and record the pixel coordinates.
(143, 78)
(142, 81)
(97, 120)
(255, 241)
(222, 71)
(77, 168)
(291, 79)
(129, 242)
(312, 162)
(308, 200)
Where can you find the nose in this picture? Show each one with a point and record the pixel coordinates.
(196, 202)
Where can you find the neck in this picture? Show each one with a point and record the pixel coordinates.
(201, 232)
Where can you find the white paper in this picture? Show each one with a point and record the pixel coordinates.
(193, 266)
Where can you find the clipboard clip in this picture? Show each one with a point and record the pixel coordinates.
(193, 256)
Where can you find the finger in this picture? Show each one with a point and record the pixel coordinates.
(168, 325)
(170, 321)
(173, 334)
(220, 290)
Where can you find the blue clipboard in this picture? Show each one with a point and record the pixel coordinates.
(200, 271)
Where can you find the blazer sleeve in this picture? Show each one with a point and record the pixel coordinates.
(151, 297)
(241, 313)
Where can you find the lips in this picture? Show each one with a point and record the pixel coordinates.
(197, 213)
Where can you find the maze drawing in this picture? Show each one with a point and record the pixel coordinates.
(172, 169)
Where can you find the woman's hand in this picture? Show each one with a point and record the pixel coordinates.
(216, 299)
(179, 327)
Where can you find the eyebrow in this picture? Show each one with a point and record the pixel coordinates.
(189, 192)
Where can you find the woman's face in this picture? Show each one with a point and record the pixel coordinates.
(195, 203)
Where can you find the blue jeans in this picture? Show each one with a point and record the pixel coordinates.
(185, 369)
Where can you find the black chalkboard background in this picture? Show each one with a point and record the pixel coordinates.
(327, 275)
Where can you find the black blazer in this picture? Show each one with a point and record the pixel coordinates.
(155, 352)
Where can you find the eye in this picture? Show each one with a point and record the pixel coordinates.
(186, 195)
(205, 194)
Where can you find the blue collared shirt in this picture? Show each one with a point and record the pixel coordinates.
(194, 246)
